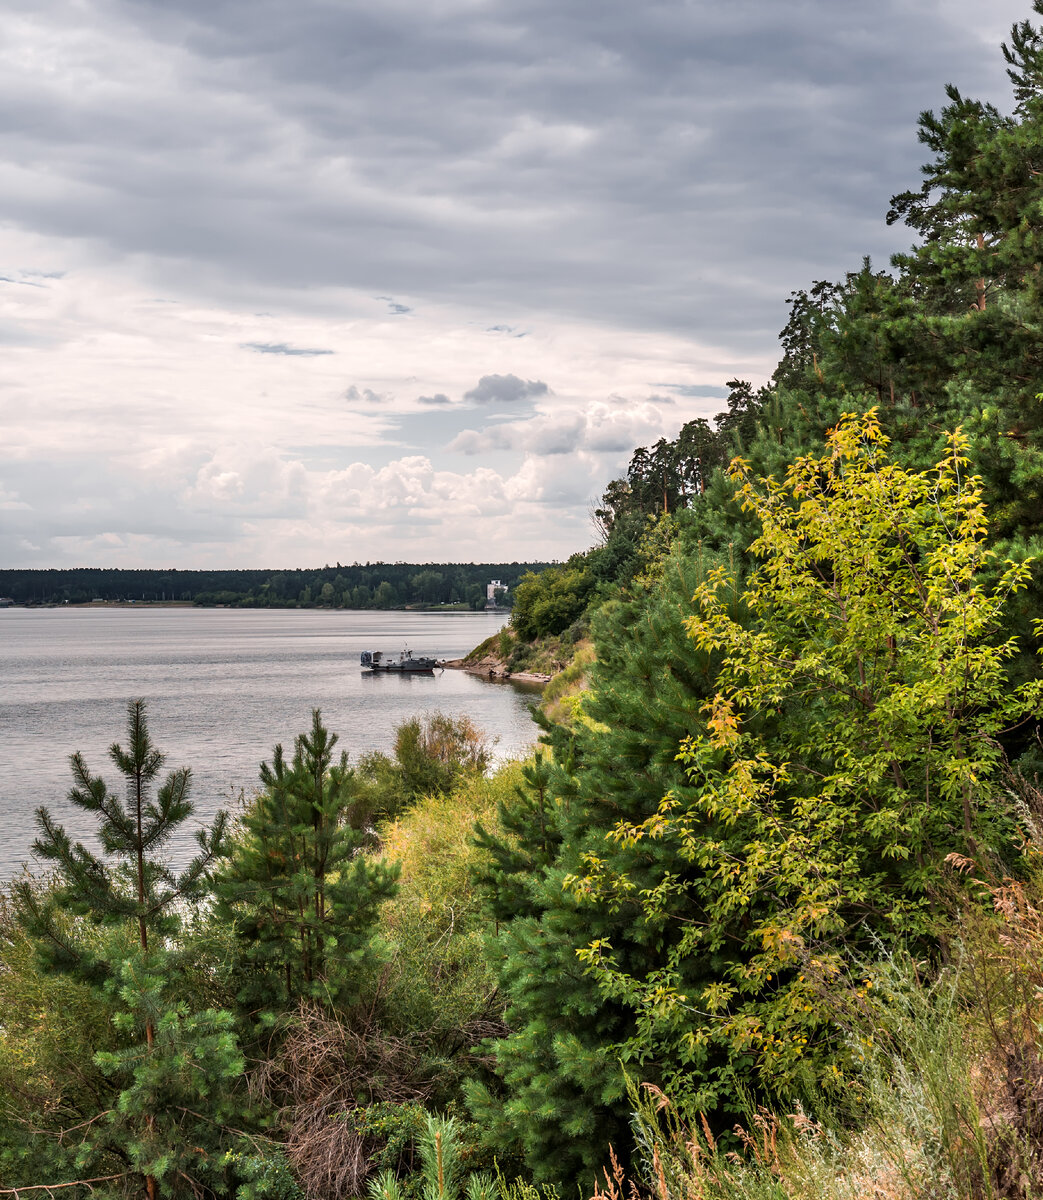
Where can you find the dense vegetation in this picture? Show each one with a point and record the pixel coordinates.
(762, 918)
(368, 585)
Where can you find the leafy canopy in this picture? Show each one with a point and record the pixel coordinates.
(849, 746)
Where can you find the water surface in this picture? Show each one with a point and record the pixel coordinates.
(223, 687)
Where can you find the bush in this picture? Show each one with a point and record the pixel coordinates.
(438, 980)
(52, 1027)
(431, 755)
(948, 1102)
(545, 605)
(576, 632)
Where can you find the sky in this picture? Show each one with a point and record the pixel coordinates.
(294, 282)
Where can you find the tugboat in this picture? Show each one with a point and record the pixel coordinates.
(374, 661)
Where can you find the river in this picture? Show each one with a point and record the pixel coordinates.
(223, 686)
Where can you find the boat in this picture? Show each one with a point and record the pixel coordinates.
(375, 661)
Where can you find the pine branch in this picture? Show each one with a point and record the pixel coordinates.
(54, 1187)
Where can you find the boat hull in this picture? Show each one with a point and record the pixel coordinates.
(397, 669)
(374, 663)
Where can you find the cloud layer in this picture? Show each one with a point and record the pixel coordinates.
(252, 250)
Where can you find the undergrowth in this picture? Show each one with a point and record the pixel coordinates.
(949, 1105)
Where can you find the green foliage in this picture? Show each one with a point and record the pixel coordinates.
(360, 585)
(482, 1185)
(674, 475)
(546, 604)
(114, 924)
(437, 986)
(945, 1102)
(562, 696)
(557, 1100)
(345, 1078)
(426, 586)
(443, 1170)
(954, 336)
(848, 749)
(542, 656)
(491, 645)
(302, 900)
(435, 752)
(51, 1029)
(522, 1189)
(837, 719)
(440, 1159)
(262, 1171)
(432, 755)
(396, 1128)
(385, 1187)
(189, 1063)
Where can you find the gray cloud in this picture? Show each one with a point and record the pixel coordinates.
(283, 348)
(78, 508)
(27, 280)
(353, 395)
(598, 430)
(637, 187)
(505, 389)
(22, 333)
(672, 165)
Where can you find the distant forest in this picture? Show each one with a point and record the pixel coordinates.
(369, 585)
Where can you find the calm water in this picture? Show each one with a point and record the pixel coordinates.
(223, 687)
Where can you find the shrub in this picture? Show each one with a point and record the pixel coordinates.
(545, 605)
(437, 980)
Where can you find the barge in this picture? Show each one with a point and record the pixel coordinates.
(376, 661)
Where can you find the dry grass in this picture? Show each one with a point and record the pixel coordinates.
(950, 1106)
(562, 695)
(438, 977)
(787, 1158)
(323, 1069)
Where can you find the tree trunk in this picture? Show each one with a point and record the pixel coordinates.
(980, 285)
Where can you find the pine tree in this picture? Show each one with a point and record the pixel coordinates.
(692, 882)
(560, 1098)
(173, 1068)
(302, 899)
(955, 337)
(532, 842)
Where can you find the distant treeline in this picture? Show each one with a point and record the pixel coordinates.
(369, 585)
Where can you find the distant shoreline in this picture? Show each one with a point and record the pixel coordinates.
(381, 586)
(447, 609)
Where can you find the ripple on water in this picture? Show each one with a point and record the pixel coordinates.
(223, 687)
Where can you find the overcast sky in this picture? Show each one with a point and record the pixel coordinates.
(290, 282)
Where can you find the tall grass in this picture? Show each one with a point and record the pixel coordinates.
(949, 1105)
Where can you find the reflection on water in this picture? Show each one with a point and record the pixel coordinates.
(223, 687)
